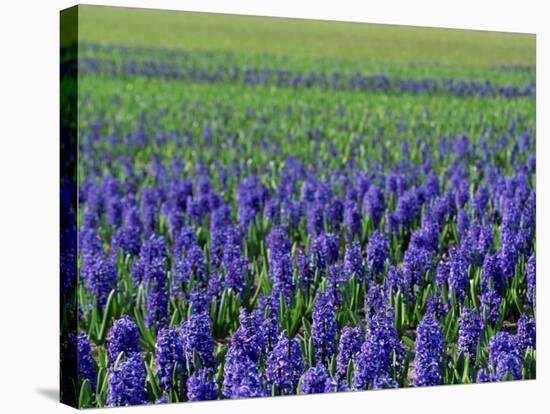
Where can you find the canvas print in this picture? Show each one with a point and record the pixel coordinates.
(261, 207)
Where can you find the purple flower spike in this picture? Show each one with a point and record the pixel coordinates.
(126, 383)
(381, 347)
(531, 279)
(470, 328)
(87, 368)
(527, 334)
(504, 356)
(196, 337)
(201, 388)
(123, 337)
(348, 347)
(168, 353)
(316, 380)
(284, 365)
(377, 251)
(428, 347)
(323, 329)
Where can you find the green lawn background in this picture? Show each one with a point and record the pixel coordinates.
(299, 37)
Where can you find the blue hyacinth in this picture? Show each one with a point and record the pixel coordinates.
(87, 367)
(352, 219)
(284, 365)
(283, 276)
(241, 376)
(169, 357)
(127, 239)
(185, 238)
(527, 333)
(152, 250)
(381, 348)
(324, 250)
(201, 387)
(531, 279)
(157, 295)
(316, 380)
(395, 280)
(377, 251)
(101, 277)
(416, 263)
(251, 196)
(490, 304)
(470, 328)
(353, 261)
(491, 274)
(374, 203)
(384, 382)
(462, 223)
(485, 376)
(126, 383)
(442, 273)
(249, 338)
(323, 328)
(504, 356)
(196, 338)
(348, 347)
(195, 264)
(123, 337)
(458, 274)
(428, 347)
(305, 270)
(427, 236)
(315, 219)
(234, 263)
(408, 206)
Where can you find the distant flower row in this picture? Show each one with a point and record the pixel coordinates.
(281, 77)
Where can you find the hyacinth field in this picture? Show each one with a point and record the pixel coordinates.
(254, 225)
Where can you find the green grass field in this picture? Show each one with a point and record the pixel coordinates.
(307, 38)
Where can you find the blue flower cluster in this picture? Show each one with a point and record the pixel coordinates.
(470, 329)
(429, 348)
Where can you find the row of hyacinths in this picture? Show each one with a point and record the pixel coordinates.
(203, 282)
(112, 62)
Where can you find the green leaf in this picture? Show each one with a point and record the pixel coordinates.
(111, 304)
(152, 381)
(146, 336)
(85, 394)
(408, 341)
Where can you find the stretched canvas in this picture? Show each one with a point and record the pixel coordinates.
(261, 207)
